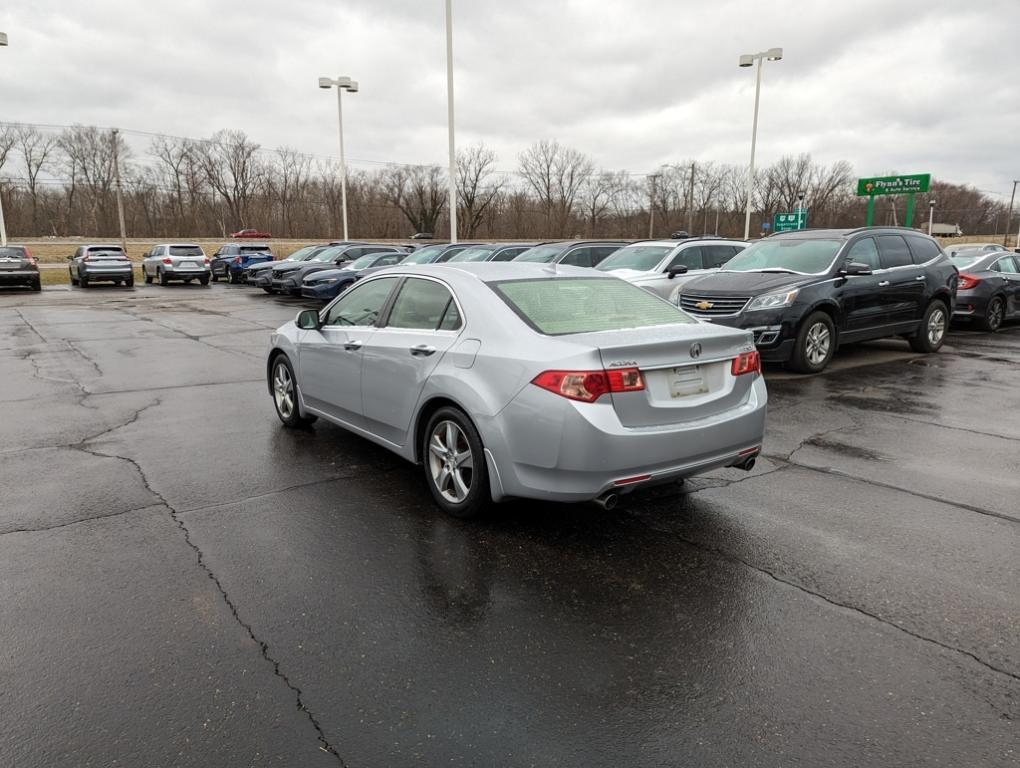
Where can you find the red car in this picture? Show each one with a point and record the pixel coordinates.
(252, 233)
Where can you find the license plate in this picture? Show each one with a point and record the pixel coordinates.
(687, 381)
(190, 265)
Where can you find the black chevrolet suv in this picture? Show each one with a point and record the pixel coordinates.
(805, 293)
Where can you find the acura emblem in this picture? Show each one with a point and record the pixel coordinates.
(704, 305)
(695, 350)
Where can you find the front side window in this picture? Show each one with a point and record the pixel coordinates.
(362, 304)
(579, 257)
(1008, 265)
(509, 254)
(541, 254)
(643, 258)
(714, 256)
(558, 306)
(425, 255)
(864, 251)
(601, 252)
(893, 251)
(388, 260)
(688, 257)
(476, 253)
(423, 305)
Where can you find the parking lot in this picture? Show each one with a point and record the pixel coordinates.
(184, 582)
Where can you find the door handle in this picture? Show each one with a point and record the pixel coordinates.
(422, 350)
(920, 277)
(883, 284)
(353, 346)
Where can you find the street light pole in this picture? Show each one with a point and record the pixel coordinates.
(931, 216)
(449, 121)
(653, 178)
(342, 84)
(1009, 216)
(3, 226)
(116, 181)
(746, 60)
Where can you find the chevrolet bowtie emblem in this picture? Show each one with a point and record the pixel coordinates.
(704, 305)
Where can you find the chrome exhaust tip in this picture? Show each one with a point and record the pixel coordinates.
(748, 464)
(607, 500)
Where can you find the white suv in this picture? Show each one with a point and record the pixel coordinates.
(660, 266)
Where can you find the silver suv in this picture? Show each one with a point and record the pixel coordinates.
(168, 262)
(660, 266)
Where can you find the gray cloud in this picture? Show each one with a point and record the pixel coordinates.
(909, 86)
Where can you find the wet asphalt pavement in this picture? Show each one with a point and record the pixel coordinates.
(185, 583)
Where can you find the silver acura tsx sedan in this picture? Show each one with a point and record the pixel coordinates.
(523, 380)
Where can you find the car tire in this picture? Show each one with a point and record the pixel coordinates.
(36, 285)
(285, 399)
(932, 330)
(815, 344)
(74, 280)
(267, 290)
(230, 278)
(215, 278)
(204, 280)
(83, 281)
(161, 276)
(147, 277)
(994, 315)
(130, 282)
(460, 491)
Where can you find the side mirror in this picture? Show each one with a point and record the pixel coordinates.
(679, 269)
(308, 320)
(852, 268)
(71, 257)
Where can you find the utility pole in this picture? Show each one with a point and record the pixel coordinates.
(116, 180)
(1009, 216)
(449, 121)
(717, 220)
(690, 203)
(653, 178)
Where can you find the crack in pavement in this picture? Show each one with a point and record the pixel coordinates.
(92, 519)
(729, 556)
(324, 743)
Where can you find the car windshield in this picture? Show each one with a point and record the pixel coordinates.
(559, 306)
(800, 256)
(327, 254)
(186, 250)
(963, 260)
(426, 255)
(478, 253)
(640, 257)
(542, 254)
(364, 262)
(302, 253)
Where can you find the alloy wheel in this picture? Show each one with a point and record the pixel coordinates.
(451, 462)
(283, 390)
(996, 314)
(936, 326)
(818, 343)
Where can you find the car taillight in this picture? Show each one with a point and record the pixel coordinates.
(29, 259)
(967, 282)
(85, 257)
(168, 261)
(237, 259)
(589, 386)
(746, 362)
(206, 259)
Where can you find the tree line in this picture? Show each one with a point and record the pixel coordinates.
(63, 183)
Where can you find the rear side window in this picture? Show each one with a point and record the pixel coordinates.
(893, 251)
(924, 250)
(423, 305)
(578, 257)
(508, 253)
(692, 258)
(864, 251)
(558, 306)
(714, 256)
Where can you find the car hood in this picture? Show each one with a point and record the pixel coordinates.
(745, 283)
(630, 274)
(330, 273)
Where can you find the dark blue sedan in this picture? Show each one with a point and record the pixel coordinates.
(327, 284)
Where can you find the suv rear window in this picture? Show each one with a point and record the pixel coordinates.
(558, 306)
(255, 249)
(186, 250)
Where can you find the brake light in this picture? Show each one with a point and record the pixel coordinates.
(237, 259)
(746, 362)
(967, 282)
(86, 257)
(168, 261)
(589, 386)
(206, 259)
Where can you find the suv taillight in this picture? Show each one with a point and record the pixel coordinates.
(168, 261)
(746, 362)
(967, 282)
(589, 386)
(237, 259)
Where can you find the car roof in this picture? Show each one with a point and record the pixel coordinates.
(688, 241)
(102, 245)
(821, 234)
(177, 245)
(494, 271)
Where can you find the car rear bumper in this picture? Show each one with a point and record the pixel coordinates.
(184, 274)
(559, 450)
(19, 276)
(107, 273)
(970, 304)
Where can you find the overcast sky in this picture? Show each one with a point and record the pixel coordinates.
(902, 86)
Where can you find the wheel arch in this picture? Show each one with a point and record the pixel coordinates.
(275, 353)
(425, 412)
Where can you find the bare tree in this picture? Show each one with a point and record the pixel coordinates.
(477, 187)
(419, 191)
(232, 170)
(36, 149)
(556, 174)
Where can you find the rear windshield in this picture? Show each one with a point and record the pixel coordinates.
(255, 249)
(542, 254)
(12, 252)
(106, 249)
(640, 257)
(962, 261)
(558, 306)
(186, 250)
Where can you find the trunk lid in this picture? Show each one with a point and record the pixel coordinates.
(686, 371)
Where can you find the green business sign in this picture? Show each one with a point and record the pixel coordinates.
(893, 185)
(789, 222)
